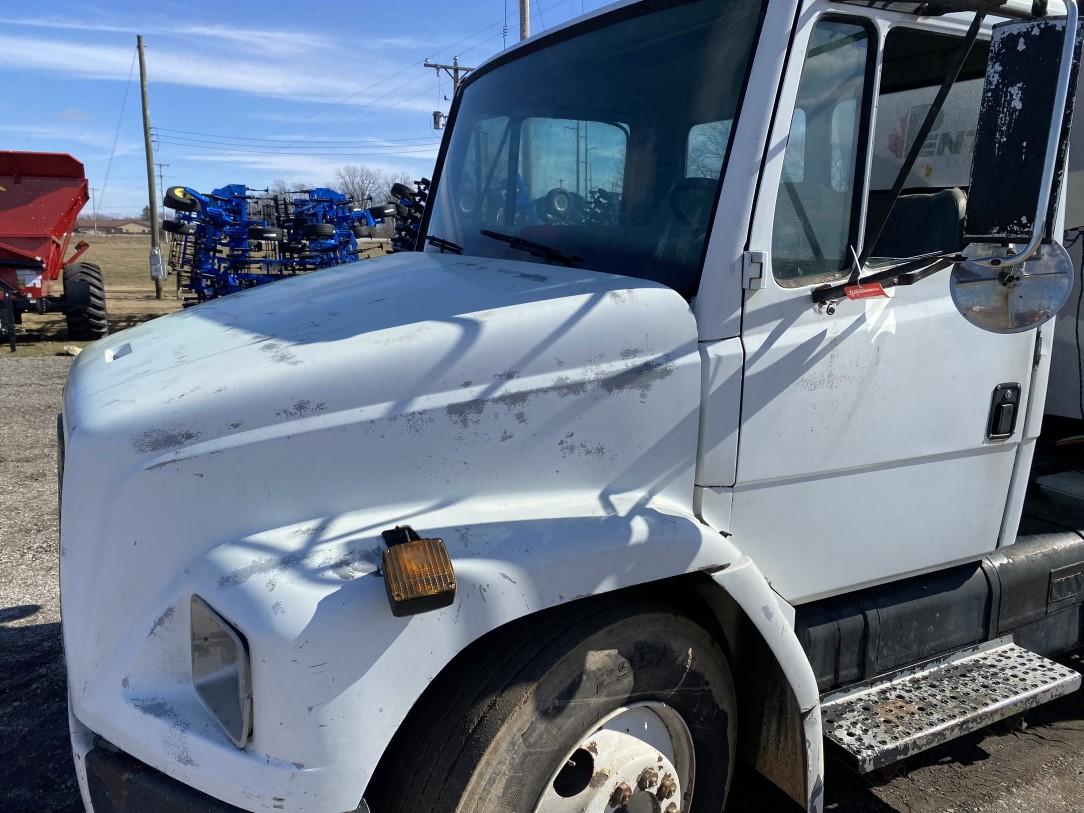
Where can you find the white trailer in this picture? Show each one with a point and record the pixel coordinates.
(699, 428)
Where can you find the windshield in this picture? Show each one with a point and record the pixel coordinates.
(602, 150)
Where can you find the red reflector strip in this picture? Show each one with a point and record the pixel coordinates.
(867, 290)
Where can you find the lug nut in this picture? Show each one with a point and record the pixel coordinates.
(648, 778)
(621, 795)
(667, 788)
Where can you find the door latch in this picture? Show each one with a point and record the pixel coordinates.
(1004, 407)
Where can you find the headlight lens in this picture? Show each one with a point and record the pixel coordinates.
(220, 671)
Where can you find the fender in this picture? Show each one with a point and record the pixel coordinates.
(773, 619)
(334, 673)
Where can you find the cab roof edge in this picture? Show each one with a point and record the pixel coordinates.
(1014, 9)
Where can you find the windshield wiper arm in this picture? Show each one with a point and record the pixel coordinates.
(905, 272)
(444, 245)
(541, 250)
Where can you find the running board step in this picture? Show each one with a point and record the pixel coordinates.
(884, 721)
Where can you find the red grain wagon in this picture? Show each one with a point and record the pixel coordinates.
(41, 194)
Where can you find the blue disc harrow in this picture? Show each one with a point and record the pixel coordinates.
(237, 237)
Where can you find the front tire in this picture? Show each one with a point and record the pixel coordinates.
(84, 294)
(544, 719)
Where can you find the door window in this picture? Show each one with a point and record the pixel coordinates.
(815, 216)
(928, 217)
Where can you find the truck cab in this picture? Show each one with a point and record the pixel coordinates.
(700, 427)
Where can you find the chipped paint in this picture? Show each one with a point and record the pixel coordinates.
(164, 620)
(302, 409)
(163, 440)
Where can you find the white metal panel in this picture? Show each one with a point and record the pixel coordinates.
(862, 453)
(721, 366)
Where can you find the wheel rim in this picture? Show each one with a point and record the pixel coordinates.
(638, 759)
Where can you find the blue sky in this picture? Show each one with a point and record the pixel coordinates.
(243, 92)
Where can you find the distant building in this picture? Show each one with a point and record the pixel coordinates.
(128, 227)
(112, 226)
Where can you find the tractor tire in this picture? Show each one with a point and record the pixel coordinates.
(84, 295)
(320, 230)
(550, 718)
(178, 227)
(178, 199)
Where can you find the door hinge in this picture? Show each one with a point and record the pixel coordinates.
(752, 269)
(1037, 358)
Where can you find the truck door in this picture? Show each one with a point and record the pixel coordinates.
(864, 452)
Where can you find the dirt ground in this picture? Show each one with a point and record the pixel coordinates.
(1034, 769)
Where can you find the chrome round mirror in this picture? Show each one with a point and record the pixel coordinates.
(1015, 299)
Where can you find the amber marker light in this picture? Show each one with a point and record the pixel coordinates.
(418, 576)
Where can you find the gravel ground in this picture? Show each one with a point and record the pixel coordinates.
(1034, 769)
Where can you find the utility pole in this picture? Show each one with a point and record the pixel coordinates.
(156, 267)
(457, 73)
(524, 19)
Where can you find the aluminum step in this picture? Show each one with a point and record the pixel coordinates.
(884, 721)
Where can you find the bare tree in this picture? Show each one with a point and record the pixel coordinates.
(360, 183)
(279, 187)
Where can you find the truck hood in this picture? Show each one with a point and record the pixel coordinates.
(251, 449)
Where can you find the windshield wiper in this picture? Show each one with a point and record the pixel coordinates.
(547, 253)
(905, 272)
(444, 245)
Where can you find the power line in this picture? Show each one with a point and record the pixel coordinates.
(116, 133)
(353, 116)
(405, 68)
(370, 104)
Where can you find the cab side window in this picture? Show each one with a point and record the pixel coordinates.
(816, 216)
(928, 217)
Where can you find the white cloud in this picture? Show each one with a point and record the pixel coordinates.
(313, 167)
(63, 134)
(264, 77)
(254, 39)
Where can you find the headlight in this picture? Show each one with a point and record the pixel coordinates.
(220, 671)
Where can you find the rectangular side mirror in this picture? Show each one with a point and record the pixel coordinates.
(1023, 132)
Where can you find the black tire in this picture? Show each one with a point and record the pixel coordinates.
(84, 296)
(178, 199)
(264, 233)
(490, 735)
(178, 227)
(319, 230)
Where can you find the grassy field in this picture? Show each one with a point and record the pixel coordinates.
(129, 295)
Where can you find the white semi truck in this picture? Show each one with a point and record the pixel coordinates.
(701, 427)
